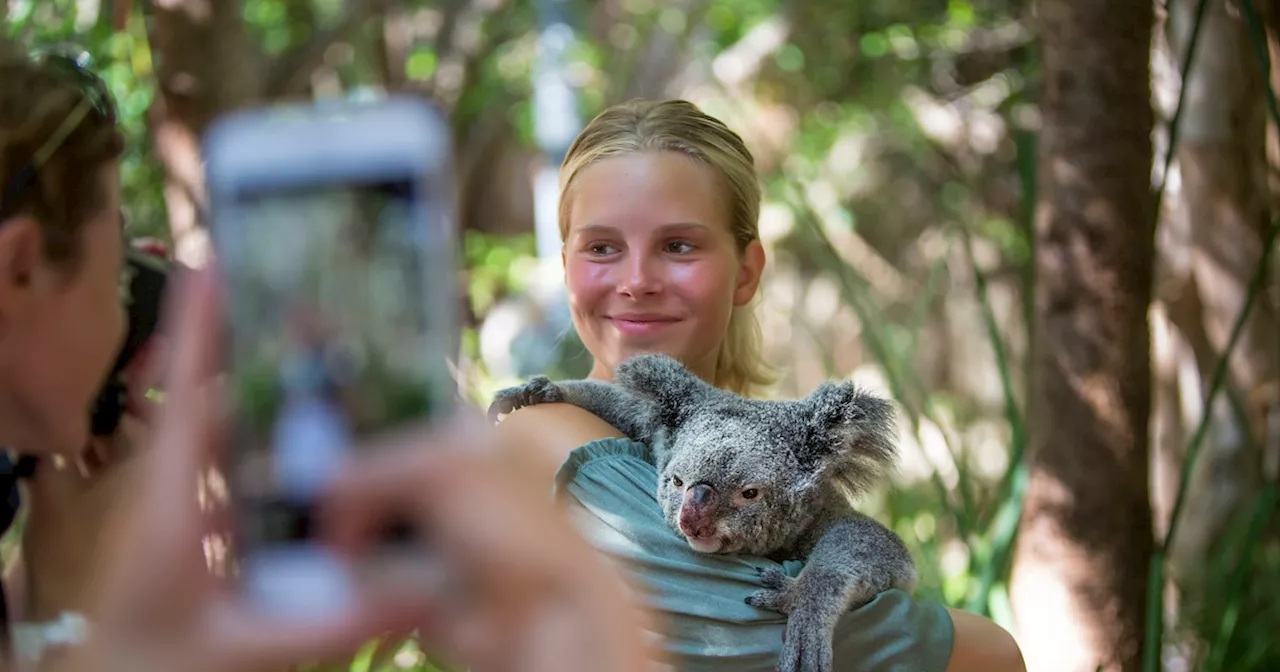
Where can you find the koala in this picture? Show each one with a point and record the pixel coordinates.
(772, 479)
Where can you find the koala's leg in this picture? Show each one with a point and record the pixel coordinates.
(630, 413)
(854, 559)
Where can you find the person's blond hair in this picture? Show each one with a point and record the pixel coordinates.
(679, 126)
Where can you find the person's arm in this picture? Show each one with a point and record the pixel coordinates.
(982, 646)
(539, 438)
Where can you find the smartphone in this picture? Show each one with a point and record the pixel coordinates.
(332, 228)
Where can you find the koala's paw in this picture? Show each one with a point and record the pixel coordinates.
(806, 644)
(539, 390)
(779, 593)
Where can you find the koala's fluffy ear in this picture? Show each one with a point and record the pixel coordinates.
(852, 435)
(675, 390)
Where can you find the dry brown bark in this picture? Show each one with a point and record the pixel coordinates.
(1079, 583)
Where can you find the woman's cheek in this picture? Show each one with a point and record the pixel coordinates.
(706, 284)
(588, 281)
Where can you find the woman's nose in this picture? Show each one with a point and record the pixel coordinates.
(641, 275)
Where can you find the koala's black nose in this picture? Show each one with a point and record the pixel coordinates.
(701, 494)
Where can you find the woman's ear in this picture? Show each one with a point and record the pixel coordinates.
(749, 273)
(21, 247)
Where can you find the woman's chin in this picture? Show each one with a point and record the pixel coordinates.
(630, 347)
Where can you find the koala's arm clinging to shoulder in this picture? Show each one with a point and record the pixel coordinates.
(852, 559)
(631, 413)
(865, 557)
(848, 561)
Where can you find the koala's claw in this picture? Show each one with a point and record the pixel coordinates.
(539, 390)
(774, 578)
(777, 594)
(806, 644)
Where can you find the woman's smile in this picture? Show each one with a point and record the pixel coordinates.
(641, 324)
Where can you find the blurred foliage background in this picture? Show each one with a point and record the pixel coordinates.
(900, 150)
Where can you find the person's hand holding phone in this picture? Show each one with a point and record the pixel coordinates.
(523, 590)
(536, 597)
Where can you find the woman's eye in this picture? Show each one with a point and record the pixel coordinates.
(679, 247)
(600, 249)
(750, 493)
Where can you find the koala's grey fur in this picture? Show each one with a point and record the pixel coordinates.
(805, 459)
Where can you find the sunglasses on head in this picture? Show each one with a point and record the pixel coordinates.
(95, 99)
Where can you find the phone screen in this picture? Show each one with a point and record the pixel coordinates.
(331, 342)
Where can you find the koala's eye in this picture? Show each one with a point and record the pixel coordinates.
(750, 493)
(675, 480)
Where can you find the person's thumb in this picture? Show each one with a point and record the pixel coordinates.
(143, 374)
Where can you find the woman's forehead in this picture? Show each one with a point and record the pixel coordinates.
(652, 190)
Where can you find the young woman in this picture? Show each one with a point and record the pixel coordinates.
(659, 222)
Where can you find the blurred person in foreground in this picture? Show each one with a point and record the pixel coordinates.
(120, 530)
(63, 285)
(61, 318)
(659, 218)
(533, 596)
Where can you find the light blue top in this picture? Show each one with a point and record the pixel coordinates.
(612, 483)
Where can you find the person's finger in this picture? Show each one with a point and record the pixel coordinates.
(245, 640)
(158, 531)
(142, 407)
(143, 374)
(191, 322)
(473, 511)
(193, 400)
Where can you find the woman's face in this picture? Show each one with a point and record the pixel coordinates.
(60, 329)
(650, 261)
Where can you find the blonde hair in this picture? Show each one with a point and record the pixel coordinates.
(679, 126)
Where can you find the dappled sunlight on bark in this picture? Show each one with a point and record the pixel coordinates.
(1086, 529)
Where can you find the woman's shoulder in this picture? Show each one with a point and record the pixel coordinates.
(546, 434)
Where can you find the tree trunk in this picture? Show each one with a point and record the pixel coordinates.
(205, 65)
(1080, 575)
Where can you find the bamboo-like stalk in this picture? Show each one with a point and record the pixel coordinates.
(897, 376)
(1004, 525)
(1263, 507)
(1175, 122)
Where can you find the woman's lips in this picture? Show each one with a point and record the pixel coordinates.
(641, 325)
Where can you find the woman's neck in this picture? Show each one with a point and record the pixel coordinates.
(603, 372)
